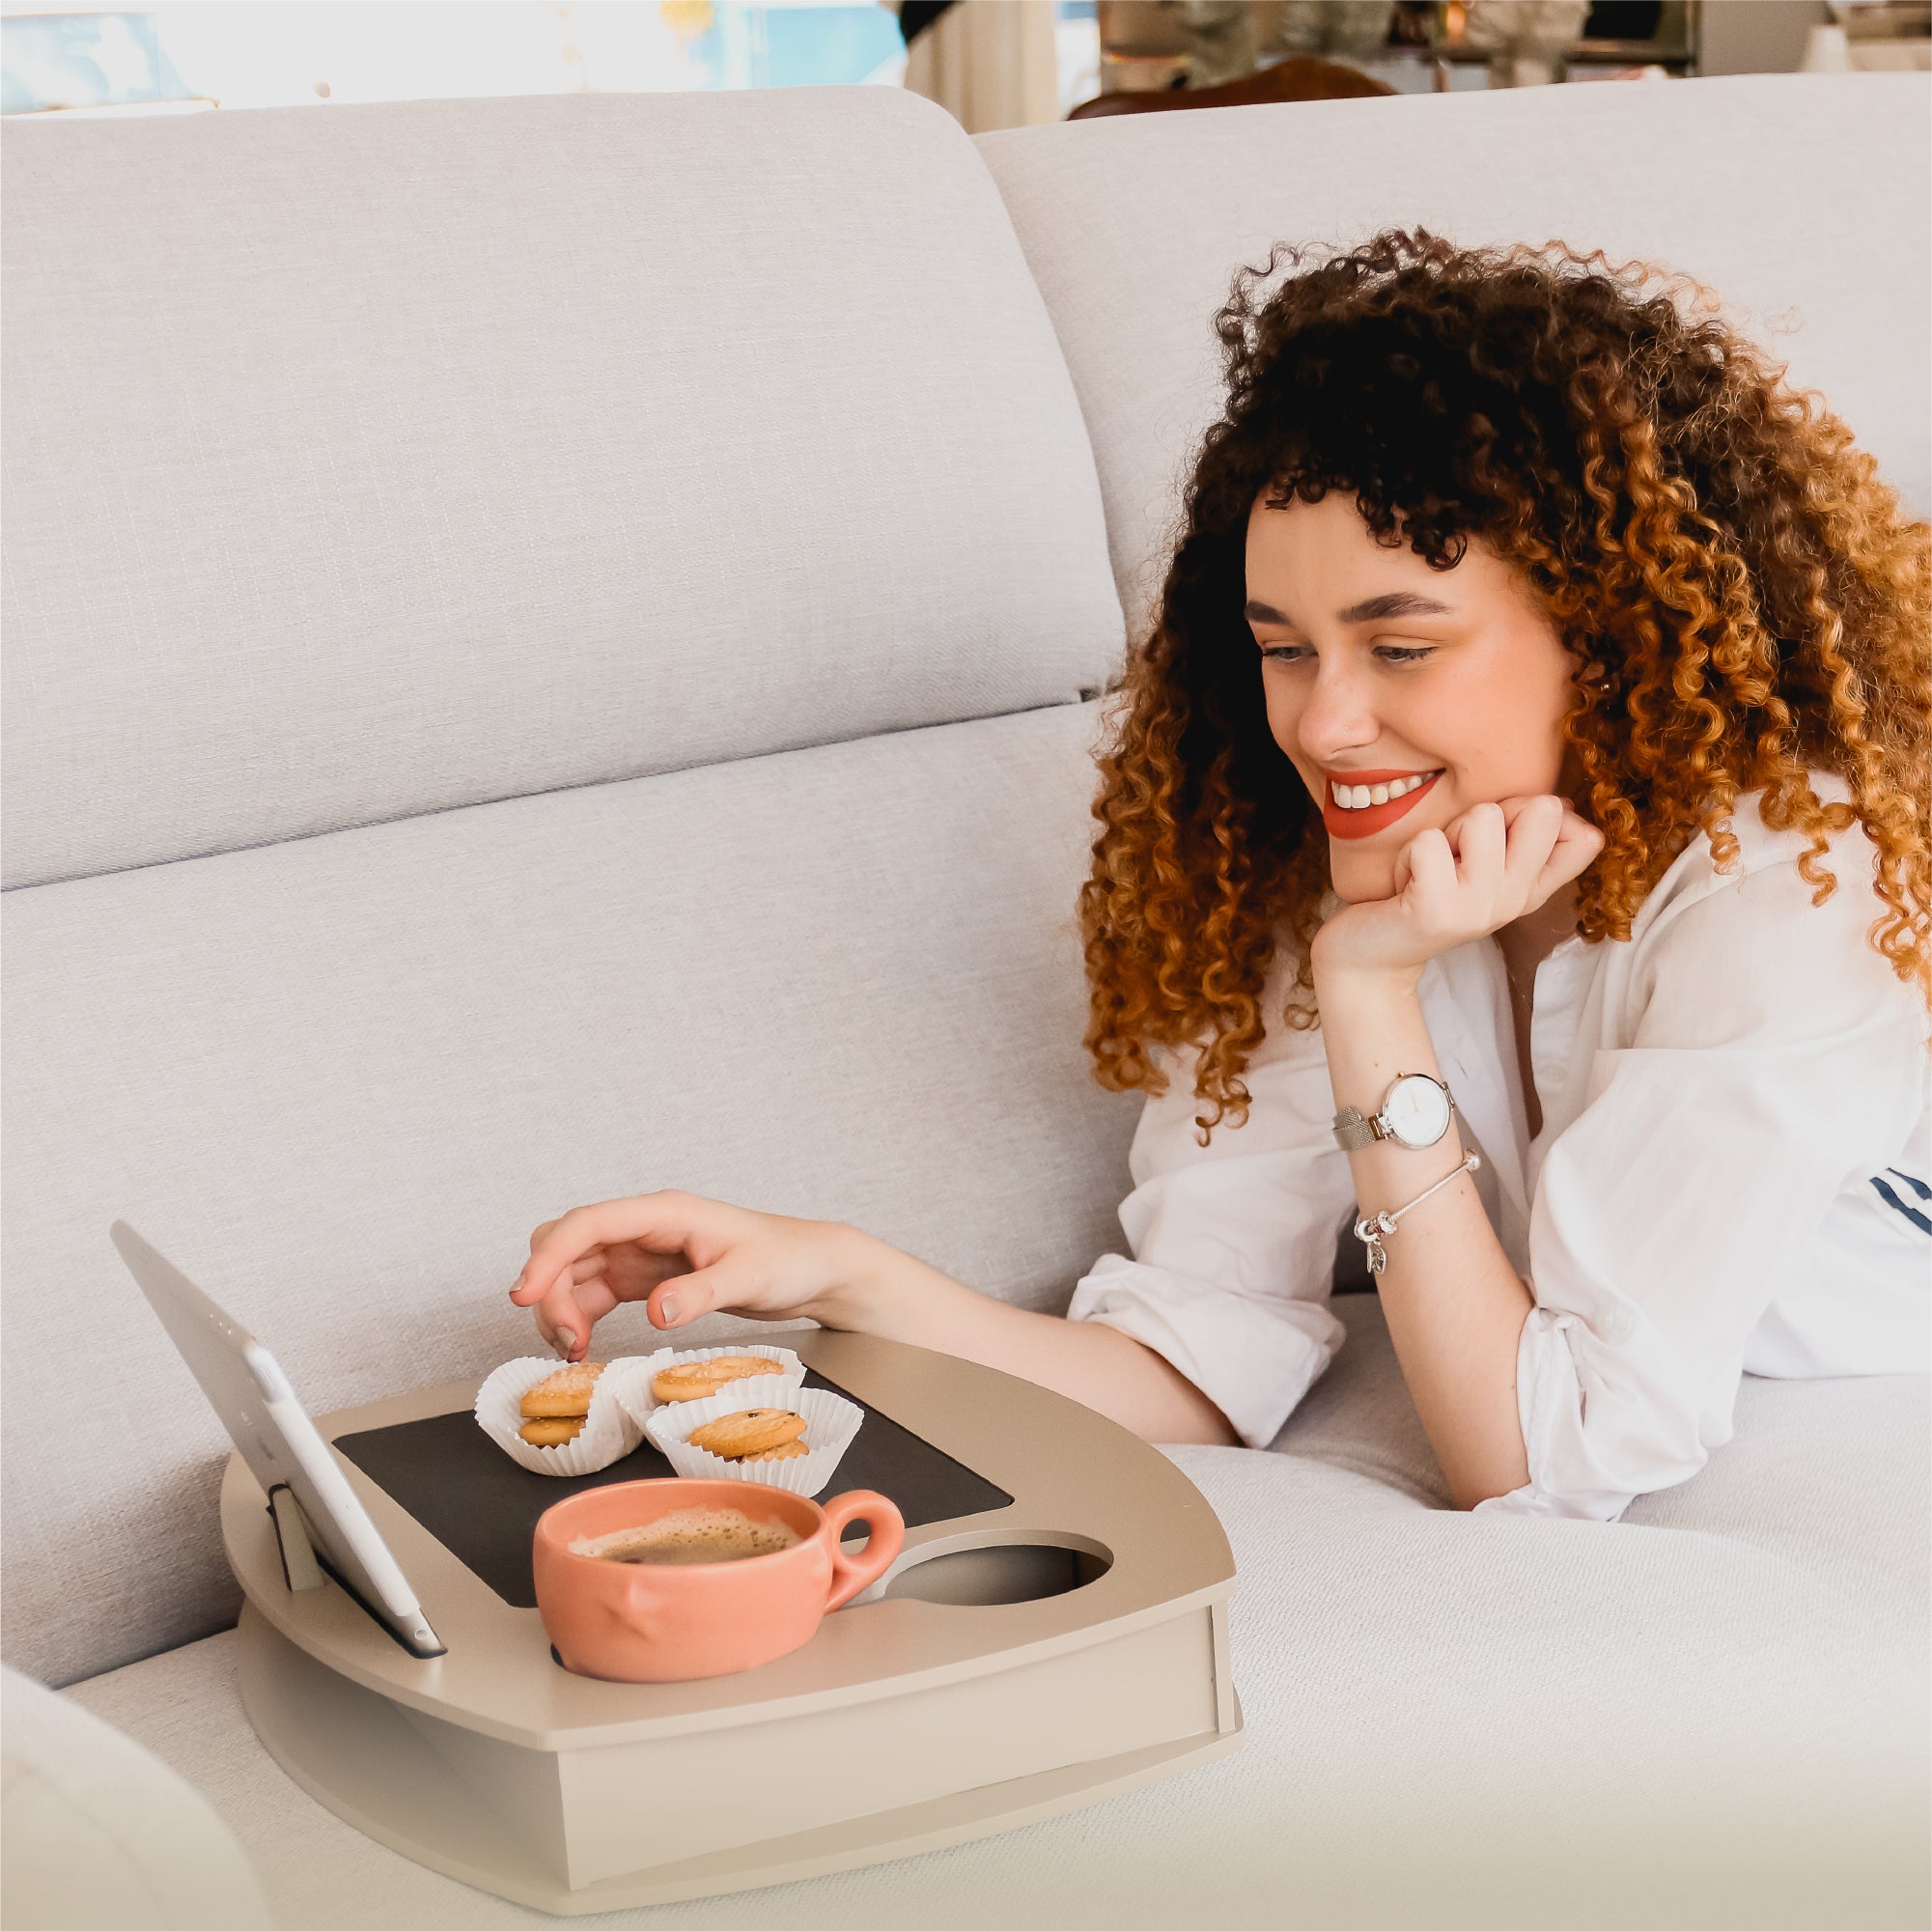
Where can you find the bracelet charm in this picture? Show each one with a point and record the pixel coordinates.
(1371, 1227)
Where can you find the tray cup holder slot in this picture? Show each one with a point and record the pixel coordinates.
(994, 1573)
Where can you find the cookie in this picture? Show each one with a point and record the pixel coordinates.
(567, 1391)
(786, 1451)
(749, 1432)
(692, 1380)
(551, 1431)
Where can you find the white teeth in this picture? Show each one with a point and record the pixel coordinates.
(1358, 797)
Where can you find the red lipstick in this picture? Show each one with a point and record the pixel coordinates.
(1374, 818)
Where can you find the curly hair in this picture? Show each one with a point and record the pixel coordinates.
(1752, 601)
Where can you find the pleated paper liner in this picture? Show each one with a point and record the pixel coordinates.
(609, 1433)
(831, 1422)
(633, 1387)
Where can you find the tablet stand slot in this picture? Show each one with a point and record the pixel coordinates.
(299, 1568)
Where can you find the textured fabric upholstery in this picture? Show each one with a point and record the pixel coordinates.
(339, 1080)
(1466, 1722)
(100, 1837)
(1803, 201)
(379, 460)
(1797, 1483)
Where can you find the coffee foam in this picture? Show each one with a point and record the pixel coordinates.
(695, 1535)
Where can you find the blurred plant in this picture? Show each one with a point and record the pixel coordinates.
(688, 19)
(1526, 39)
(1355, 29)
(1221, 39)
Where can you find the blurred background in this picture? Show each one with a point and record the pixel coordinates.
(991, 63)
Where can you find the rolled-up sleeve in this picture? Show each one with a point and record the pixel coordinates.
(1774, 1059)
(1231, 1247)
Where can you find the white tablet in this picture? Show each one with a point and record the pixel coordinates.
(279, 1442)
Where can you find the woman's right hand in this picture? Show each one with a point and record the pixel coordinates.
(683, 1256)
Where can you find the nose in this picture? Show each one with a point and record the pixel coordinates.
(1338, 714)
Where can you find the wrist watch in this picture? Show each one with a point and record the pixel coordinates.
(1414, 1114)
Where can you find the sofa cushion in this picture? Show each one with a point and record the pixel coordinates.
(379, 460)
(1803, 199)
(1830, 1477)
(1452, 1721)
(101, 1836)
(339, 1080)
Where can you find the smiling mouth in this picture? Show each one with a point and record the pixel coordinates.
(1372, 801)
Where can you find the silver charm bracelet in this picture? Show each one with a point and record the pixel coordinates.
(1371, 1227)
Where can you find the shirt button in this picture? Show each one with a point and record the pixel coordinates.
(1618, 1325)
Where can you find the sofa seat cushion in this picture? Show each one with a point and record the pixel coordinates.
(1451, 1720)
(1834, 1477)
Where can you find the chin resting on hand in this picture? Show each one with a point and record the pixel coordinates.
(1494, 864)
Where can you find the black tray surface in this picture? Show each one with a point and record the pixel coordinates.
(483, 1507)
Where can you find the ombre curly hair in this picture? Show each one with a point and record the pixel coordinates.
(1746, 596)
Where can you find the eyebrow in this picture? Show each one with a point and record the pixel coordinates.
(1394, 603)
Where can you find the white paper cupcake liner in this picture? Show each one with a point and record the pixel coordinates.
(609, 1434)
(830, 1423)
(634, 1387)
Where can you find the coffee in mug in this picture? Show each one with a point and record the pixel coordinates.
(690, 1535)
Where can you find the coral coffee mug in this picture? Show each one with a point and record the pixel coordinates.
(668, 1620)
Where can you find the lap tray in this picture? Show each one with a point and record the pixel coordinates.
(1053, 1631)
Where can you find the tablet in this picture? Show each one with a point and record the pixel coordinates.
(279, 1442)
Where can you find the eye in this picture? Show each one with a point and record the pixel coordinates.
(1286, 654)
(1404, 653)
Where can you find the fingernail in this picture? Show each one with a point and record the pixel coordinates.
(669, 1309)
(566, 1339)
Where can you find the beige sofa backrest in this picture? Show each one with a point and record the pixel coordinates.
(373, 460)
(1767, 189)
(592, 457)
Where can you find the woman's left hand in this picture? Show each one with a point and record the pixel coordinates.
(1492, 865)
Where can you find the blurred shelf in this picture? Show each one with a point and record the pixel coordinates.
(1581, 53)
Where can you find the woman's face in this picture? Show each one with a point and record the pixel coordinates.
(1417, 691)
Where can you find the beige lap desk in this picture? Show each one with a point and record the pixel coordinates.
(1017, 1660)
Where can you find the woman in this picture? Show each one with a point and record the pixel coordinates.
(1513, 842)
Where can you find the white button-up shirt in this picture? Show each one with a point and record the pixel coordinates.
(1734, 1175)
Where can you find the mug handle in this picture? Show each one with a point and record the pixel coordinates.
(889, 1538)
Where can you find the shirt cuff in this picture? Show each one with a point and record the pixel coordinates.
(1548, 1396)
(1253, 1358)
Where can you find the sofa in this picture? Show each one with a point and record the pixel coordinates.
(552, 649)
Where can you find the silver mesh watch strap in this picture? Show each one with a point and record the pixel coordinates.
(1352, 1131)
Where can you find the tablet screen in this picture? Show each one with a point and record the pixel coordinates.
(280, 1443)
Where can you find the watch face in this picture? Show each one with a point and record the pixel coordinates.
(1416, 1111)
